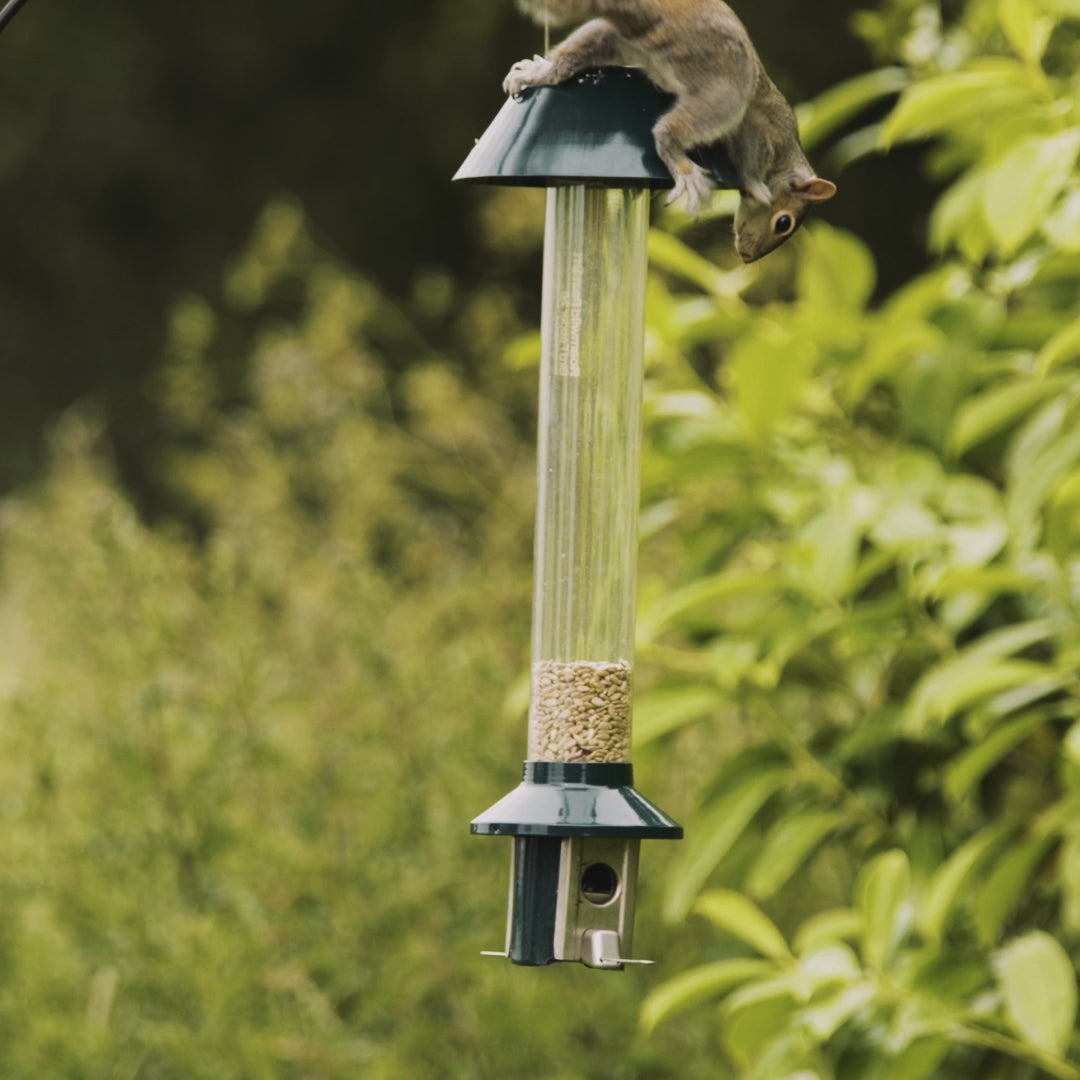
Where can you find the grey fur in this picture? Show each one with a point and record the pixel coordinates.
(699, 51)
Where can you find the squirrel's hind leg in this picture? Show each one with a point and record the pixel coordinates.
(596, 44)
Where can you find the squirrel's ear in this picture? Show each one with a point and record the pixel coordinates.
(816, 190)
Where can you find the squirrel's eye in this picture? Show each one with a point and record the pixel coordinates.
(783, 224)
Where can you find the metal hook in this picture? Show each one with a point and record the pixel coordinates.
(9, 11)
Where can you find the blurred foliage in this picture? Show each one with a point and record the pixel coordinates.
(140, 143)
(879, 511)
(239, 749)
(239, 743)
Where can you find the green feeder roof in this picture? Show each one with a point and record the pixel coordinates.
(595, 128)
(576, 799)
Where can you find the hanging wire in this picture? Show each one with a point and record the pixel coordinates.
(9, 11)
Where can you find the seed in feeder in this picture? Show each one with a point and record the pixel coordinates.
(580, 711)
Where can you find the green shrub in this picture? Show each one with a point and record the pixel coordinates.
(877, 623)
(240, 748)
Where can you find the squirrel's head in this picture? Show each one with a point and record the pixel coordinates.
(765, 219)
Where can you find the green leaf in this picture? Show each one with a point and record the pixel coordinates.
(1070, 884)
(1070, 753)
(1062, 348)
(833, 108)
(1030, 488)
(921, 298)
(741, 917)
(787, 1056)
(828, 928)
(1062, 227)
(965, 771)
(986, 581)
(969, 496)
(700, 320)
(836, 271)
(919, 1060)
(825, 553)
(882, 892)
(717, 830)
(836, 963)
(662, 711)
(672, 255)
(732, 660)
(976, 543)
(787, 845)
(977, 672)
(906, 524)
(957, 217)
(930, 1009)
(523, 351)
(755, 1016)
(825, 1019)
(707, 590)
(1028, 31)
(952, 880)
(929, 389)
(953, 100)
(699, 984)
(768, 369)
(1021, 188)
(1062, 522)
(984, 415)
(962, 682)
(891, 346)
(1045, 426)
(1039, 987)
(1003, 888)
(657, 517)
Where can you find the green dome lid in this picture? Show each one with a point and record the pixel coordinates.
(565, 798)
(595, 128)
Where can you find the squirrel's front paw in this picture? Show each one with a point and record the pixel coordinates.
(526, 73)
(691, 181)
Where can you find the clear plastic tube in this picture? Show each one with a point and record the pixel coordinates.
(589, 463)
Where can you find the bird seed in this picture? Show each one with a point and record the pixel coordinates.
(580, 711)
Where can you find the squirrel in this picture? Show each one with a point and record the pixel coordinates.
(699, 51)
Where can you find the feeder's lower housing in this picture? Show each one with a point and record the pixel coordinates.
(576, 830)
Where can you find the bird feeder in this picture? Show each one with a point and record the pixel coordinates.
(576, 820)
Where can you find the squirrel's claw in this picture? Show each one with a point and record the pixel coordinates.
(691, 181)
(526, 73)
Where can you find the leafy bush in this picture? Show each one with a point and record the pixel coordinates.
(239, 751)
(239, 748)
(878, 512)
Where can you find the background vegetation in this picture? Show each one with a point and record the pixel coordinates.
(264, 612)
(140, 144)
